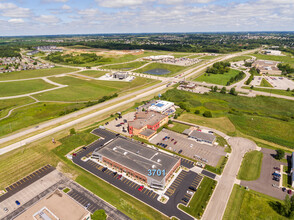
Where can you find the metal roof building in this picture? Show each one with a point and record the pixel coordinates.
(202, 136)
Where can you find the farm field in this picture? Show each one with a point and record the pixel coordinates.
(125, 66)
(220, 79)
(244, 204)
(25, 74)
(267, 118)
(23, 87)
(174, 69)
(251, 166)
(93, 73)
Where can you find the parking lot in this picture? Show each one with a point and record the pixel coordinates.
(121, 124)
(189, 147)
(280, 82)
(264, 183)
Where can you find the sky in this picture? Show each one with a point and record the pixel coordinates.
(52, 17)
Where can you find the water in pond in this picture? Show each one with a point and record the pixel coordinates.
(157, 71)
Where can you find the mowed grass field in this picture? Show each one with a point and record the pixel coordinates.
(274, 91)
(25, 74)
(86, 90)
(174, 69)
(200, 199)
(93, 73)
(8, 104)
(220, 79)
(125, 66)
(250, 204)
(265, 83)
(238, 58)
(23, 161)
(263, 117)
(23, 87)
(178, 127)
(251, 166)
(34, 114)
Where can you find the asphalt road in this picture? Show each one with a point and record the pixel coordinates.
(221, 195)
(149, 197)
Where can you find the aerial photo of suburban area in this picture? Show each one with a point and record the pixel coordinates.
(147, 110)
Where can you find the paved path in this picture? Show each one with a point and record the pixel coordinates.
(221, 195)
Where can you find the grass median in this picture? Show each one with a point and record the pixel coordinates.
(251, 166)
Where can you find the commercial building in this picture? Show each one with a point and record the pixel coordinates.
(273, 52)
(267, 67)
(146, 124)
(162, 107)
(200, 136)
(120, 75)
(55, 206)
(158, 57)
(135, 160)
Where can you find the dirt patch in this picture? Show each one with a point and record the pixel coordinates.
(170, 125)
(65, 170)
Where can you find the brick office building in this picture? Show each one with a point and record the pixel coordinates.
(146, 124)
(135, 160)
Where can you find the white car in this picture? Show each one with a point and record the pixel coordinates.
(190, 192)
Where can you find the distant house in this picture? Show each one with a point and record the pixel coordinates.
(31, 53)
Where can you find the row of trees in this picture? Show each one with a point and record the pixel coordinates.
(253, 71)
(7, 51)
(219, 68)
(285, 68)
(238, 77)
(224, 90)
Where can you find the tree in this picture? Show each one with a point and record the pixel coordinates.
(223, 90)
(99, 215)
(233, 91)
(170, 121)
(280, 154)
(72, 131)
(288, 90)
(287, 205)
(197, 112)
(207, 114)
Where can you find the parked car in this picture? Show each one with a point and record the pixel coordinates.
(190, 192)
(211, 132)
(180, 151)
(84, 148)
(87, 206)
(276, 179)
(277, 168)
(284, 189)
(74, 154)
(140, 188)
(17, 202)
(104, 169)
(185, 199)
(121, 123)
(275, 185)
(289, 191)
(277, 174)
(5, 209)
(175, 142)
(117, 134)
(119, 176)
(172, 139)
(114, 173)
(192, 188)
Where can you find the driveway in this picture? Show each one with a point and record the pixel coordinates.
(264, 183)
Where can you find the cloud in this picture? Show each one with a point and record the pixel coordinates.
(90, 12)
(121, 3)
(49, 19)
(16, 20)
(12, 10)
(66, 7)
(51, 1)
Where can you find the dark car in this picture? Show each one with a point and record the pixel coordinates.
(277, 168)
(157, 144)
(175, 142)
(180, 151)
(104, 169)
(185, 199)
(74, 154)
(172, 139)
(114, 173)
(119, 176)
(192, 188)
(284, 189)
(84, 148)
(117, 135)
(87, 206)
(17, 202)
(276, 179)
(289, 191)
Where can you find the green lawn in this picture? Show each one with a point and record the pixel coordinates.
(25, 74)
(194, 56)
(172, 68)
(251, 166)
(93, 73)
(8, 104)
(273, 91)
(220, 79)
(34, 114)
(239, 58)
(265, 83)
(125, 66)
(208, 57)
(85, 90)
(200, 199)
(245, 205)
(23, 87)
(178, 127)
(178, 55)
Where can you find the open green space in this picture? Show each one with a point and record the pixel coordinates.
(172, 68)
(244, 204)
(25, 74)
(285, 59)
(8, 104)
(265, 83)
(273, 91)
(263, 117)
(85, 90)
(178, 127)
(93, 73)
(23, 87)
(33, 114)
(238, 58)
(251, 166)
(220, 79)
(125, 66)
(178, 55)
(200, 199)
(208, 57)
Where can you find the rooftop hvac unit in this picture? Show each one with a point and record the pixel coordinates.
(125, 153)
(138, 152)
(114, 148)
(153, 166)
(158, 161)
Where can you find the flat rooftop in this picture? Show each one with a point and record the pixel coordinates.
(202, 135)
(147, 132)
(138, 157)
(146, 118)
(56, 205)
